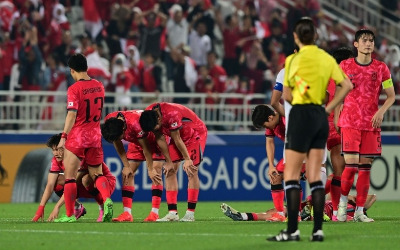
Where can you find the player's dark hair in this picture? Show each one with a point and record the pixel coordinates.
(78, 63)
(305, 30)
(362, 32)
(342, 53)
(148, 120)
(112, 129)
(260, 115)
(53, 141)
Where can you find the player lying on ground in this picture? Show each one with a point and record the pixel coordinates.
(306, 213)
(306, 208)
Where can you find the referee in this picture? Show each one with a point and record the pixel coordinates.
(307, 74)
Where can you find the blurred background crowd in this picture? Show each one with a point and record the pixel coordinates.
(202, 46)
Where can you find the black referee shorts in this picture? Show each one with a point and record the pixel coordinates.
(308, 128)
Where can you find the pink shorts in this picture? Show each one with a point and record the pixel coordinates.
(366, 143)
(92, 156)
(195, 148)
(333, 137)
(135, 152)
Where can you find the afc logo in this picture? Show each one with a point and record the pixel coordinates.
(374, 76)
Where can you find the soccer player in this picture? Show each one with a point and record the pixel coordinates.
(306, 78)
(334, 143)
(85, 100)
(125, 125)
(274, 124)
(361, 118)
(86, 189)
(188, 136)
(55, 180)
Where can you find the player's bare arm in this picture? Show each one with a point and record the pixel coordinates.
(51, 182)
(162, 144)
(270, 148)
(390, 98)
(275, 102)
(154, 176)
(69, 123)
(188, 163)
(119, 147)
(287, 94)
(54, 214)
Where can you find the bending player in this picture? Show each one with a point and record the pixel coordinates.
(125, 125)
(274, 124)
(188, 134)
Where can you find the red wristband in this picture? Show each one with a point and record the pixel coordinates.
(64, 135)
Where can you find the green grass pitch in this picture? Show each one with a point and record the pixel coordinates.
(211, 230)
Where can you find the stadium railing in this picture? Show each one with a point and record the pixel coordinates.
(45, 111)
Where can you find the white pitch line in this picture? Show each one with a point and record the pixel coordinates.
(129, 233)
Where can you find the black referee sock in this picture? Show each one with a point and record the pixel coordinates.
(293, 202)
(318, 202)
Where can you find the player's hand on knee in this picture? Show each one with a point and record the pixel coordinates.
(169, 169)
(189, 168)
(154, 176)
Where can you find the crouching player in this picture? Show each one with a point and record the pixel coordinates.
(86, 189)
(56, 181)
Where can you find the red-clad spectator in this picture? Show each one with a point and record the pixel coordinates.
(122, 78)
(202, 77)
(151, 75)
(7, 10)
(217, 72)
(253, 64)
(231, 35)
(8, 52)
(209, 89)
(134, 33)
(58, 23)
(247, 33)
(136, 67)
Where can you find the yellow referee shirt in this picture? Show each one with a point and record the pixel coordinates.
(308, 72)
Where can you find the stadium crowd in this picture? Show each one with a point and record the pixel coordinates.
(210, 46)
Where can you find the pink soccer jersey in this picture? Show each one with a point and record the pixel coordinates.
(133, 130)
(278, 131)
(56, 166)
(361, 104)
(86, 97)
(176, 116)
